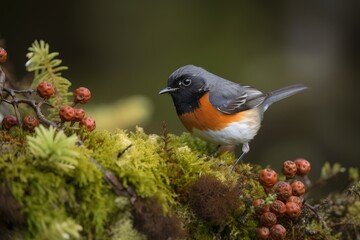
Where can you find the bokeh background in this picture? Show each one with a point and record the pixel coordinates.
(124, 52)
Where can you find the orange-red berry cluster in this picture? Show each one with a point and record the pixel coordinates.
(30, 122)
(72, 114)
(288, 193)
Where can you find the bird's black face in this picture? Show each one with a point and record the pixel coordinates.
(186, 90)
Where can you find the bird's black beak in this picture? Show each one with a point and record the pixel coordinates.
(168, 90)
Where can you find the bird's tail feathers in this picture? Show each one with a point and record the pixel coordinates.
(282, 93)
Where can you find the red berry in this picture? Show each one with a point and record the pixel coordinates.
(278, 232)
(67, 113)
(267, 177)
(263, 233)
(88, 123)
(79, 114)
(295, 199)
(45, 90)
(82, 95)
(3, 55)
(9, 121)
(303, 166)
(298, 188)
(268, 219)
(278, 207)
(289, 169)
(30, 122)
(259, 206)
(283, 190)
(293, 210)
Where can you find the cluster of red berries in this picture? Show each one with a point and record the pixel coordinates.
(9, 121)
(72, 114)
(288, 193)
(30, 122)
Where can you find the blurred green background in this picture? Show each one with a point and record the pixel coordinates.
(124, 52)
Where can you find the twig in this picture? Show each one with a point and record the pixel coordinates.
(25, 91)
(31, 102)
(115, 183)
(113, 180)
(320, 218)
(37, 108)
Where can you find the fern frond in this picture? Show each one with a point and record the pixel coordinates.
(54, 147)
(47, 67)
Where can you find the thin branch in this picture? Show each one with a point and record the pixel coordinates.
(113, 180)
(32, 103)
(37, 109)
(319, 217)
(25, 91)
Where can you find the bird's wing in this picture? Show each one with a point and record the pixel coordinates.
(234, 98)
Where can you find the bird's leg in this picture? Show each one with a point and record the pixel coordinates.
(245, 150)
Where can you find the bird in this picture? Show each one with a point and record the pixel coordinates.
(218, 110)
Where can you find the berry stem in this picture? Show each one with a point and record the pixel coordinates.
(14, 103)
(41, 115)
(26, 91)
(17, 113)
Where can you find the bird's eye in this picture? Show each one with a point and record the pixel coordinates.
(186, 82)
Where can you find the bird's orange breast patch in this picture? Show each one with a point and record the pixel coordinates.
(207, 117)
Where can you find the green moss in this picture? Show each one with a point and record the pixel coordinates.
(162, 170)
(51, 198)
(318, 231)
(54, 199)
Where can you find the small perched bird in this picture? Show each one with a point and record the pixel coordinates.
(218, 110)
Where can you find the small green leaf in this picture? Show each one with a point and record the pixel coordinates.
(54, 147)
(47, 67)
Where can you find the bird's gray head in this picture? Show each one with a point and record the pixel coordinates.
(188, 78)
(186, 85)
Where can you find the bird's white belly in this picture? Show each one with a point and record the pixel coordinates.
(235, 133)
